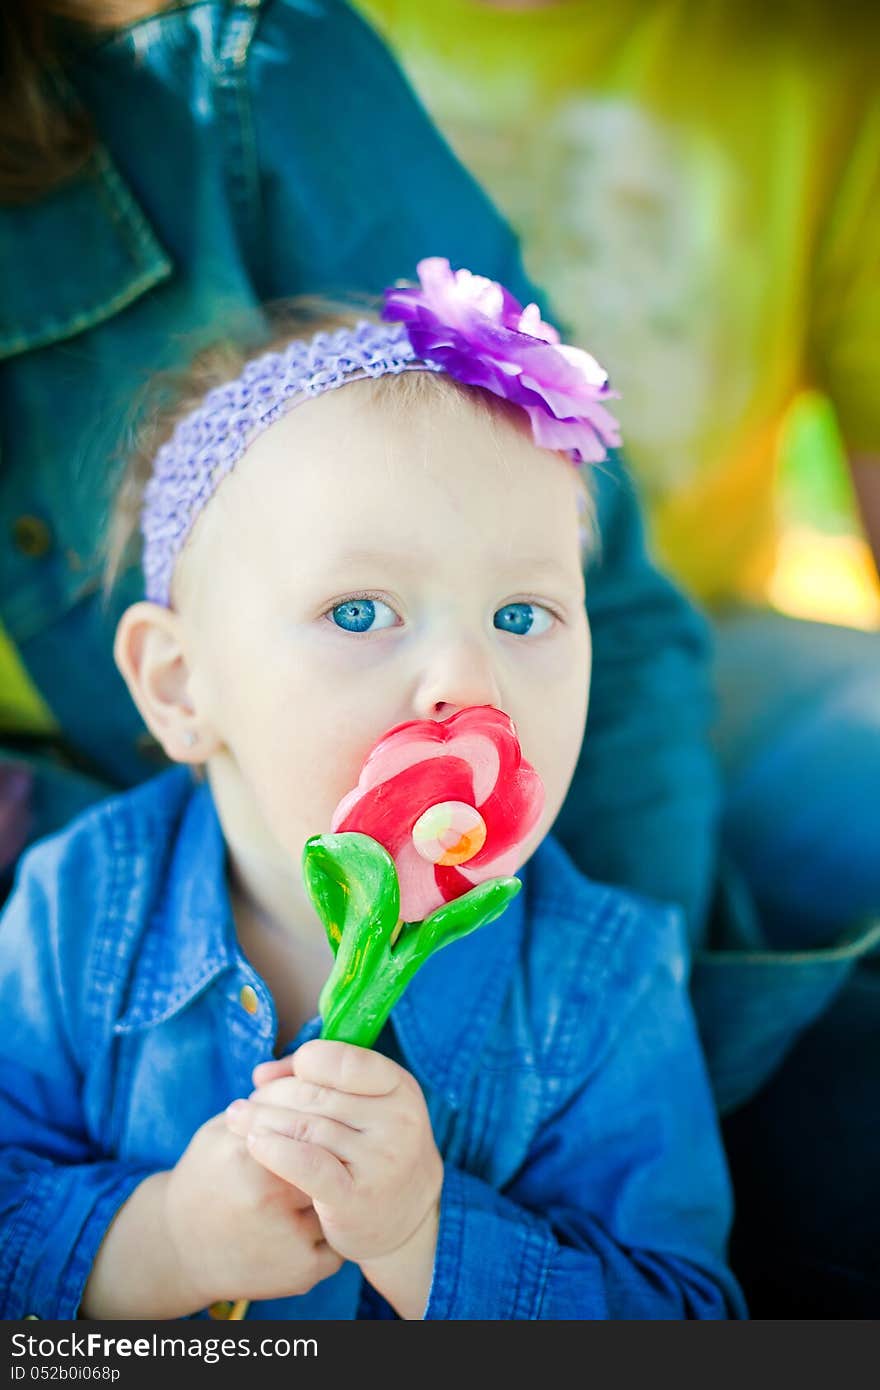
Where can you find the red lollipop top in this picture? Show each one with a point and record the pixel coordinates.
(452, 802)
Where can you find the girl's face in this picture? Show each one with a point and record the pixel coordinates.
(365, 565)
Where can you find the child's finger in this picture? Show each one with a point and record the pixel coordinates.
(270, 1071)
(306, 1166)
(290, 1093)
(358, 1070)
(338, 1139)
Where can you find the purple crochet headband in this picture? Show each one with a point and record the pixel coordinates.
(455, 322)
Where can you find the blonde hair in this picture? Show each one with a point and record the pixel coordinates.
(171, 396)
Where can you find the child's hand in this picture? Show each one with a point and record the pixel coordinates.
(239, 1231)
(351, 1128)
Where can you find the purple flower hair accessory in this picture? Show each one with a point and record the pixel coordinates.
(478, 333)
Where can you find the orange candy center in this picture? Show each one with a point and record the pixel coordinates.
(452, 832)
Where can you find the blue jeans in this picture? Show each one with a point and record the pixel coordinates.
(799, 739)
(805, 1161)
(799, 743)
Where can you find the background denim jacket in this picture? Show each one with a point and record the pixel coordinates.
(250, 151)
(583, 1173)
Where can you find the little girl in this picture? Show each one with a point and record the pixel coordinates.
(379, 523)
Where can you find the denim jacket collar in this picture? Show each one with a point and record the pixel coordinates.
(95, 209)
(190, 941)
(190, 936)
(98, 210)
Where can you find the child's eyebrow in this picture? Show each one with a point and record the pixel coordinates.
(511, 566)
(538, 567)
(374, 559)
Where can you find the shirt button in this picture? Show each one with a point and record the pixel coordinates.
(31, 536)
(248, 999)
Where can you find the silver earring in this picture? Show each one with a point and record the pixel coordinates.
(190, 738)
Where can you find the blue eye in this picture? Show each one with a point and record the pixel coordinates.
(363, 615)
(522, 618)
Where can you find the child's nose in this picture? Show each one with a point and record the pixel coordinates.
(460, 674)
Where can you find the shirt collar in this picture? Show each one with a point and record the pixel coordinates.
(190, 935)
(97, 211)
(93, 232)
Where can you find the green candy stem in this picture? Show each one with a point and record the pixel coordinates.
(353, 884)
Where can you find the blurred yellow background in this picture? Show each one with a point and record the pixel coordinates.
(696, 189)
(824, 569)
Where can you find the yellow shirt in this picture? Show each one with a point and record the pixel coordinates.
(22, 707)
(697, 187)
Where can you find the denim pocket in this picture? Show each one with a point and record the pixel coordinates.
(752, 1004)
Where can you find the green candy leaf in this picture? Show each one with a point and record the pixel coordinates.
(454, 920)
(353, 884)
(350, 878)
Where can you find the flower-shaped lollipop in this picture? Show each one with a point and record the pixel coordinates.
(420, 854)
(451, 802)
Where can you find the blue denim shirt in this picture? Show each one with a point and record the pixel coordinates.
(248, 151)
(556, 1050)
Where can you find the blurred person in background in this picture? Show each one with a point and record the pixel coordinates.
(697, 185)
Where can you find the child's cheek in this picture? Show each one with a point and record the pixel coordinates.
(306, 771)
(549, 708)
(332, 652)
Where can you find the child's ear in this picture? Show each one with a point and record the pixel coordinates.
(150, 652)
